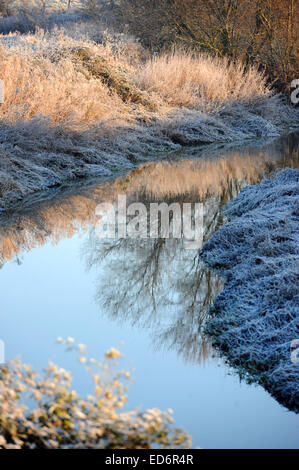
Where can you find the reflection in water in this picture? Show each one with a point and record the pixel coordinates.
(156, 284)
(38, 222)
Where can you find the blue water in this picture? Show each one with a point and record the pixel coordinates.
(51, 294)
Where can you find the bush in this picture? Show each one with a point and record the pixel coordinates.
(42, 411)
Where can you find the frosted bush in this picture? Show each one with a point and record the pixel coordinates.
(43, 411)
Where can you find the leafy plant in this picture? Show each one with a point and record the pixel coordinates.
(43, 411)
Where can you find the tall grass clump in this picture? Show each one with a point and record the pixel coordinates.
(37, 85)
(199, 81)
(43, 411)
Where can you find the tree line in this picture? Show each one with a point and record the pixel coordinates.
(263, 32)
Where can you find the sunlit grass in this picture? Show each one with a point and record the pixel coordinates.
(74, 108)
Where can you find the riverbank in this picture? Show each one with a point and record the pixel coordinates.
(255, 318)
(76, 109)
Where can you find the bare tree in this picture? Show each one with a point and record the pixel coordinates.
(264, 32)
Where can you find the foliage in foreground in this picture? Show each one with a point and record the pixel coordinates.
(43, 411)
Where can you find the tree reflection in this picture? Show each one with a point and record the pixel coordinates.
(159, 285)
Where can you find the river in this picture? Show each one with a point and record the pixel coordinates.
(147, 297)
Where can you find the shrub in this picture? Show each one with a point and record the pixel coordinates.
(201, 81)
(42, 411)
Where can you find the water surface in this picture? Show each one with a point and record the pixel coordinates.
(147, 297)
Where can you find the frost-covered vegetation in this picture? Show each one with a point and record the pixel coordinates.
(256, 317)
(261, 32)
(77, 108)
(43, 411)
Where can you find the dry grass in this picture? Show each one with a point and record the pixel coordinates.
(200, 81)
(38, 85)
(74, 108)
(78, 82)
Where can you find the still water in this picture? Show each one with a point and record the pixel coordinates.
(148, 298)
